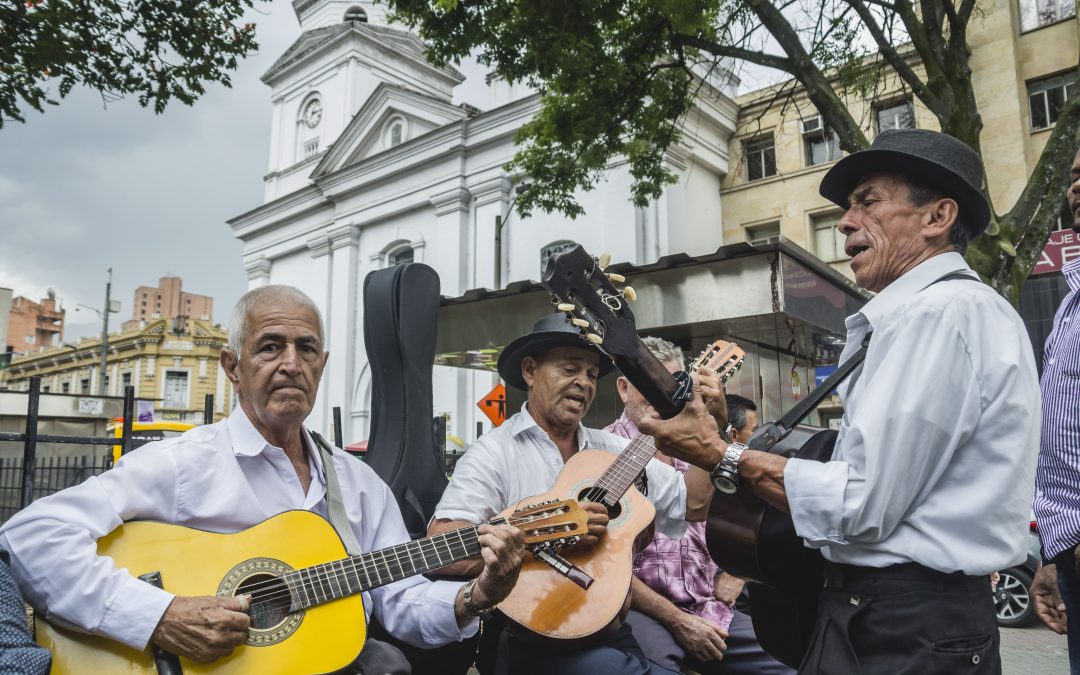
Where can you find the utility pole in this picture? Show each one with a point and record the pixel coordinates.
(105, 336)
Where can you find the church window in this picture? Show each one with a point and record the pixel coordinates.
(395, 132)
(400, 256)
(357, 14)
(547, 252)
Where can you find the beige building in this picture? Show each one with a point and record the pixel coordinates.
(168, 300)
(174, 369)
(1024, 67)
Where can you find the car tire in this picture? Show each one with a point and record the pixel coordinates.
(1012, 598)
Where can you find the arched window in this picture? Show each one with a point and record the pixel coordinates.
(550, 250)
(399, 256)
(396, 131)
(356, 13)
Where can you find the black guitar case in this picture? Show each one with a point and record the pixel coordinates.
(400, 311)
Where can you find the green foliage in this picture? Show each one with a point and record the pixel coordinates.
(156, 49)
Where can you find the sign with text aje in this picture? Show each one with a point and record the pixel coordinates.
(1062, 247)
(494, 404)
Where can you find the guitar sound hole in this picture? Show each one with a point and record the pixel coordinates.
(594, 494)
(270, 599)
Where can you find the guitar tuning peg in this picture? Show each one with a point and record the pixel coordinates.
(617, 278)
(580, 323)
(629, 293)
(594, 338)
(566, 307)
(604, 260)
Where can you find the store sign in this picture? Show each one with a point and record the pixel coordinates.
(1063, 246)
(90, 406)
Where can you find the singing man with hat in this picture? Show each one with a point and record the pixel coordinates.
(523, 457)
(930, 481)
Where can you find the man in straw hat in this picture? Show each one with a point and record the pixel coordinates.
(523, 457)
(929, 485)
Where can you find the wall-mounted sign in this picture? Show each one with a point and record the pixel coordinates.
(90, 406)
(1063, 246)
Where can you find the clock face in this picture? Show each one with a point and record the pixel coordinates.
(312, 113)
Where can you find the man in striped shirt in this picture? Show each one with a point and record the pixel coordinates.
(1057, 484)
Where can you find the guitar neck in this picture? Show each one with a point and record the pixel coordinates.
(340, 578)
(626, 469)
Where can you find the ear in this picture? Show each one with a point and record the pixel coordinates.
(529, 366)
(623, 385)
(940, 218)
(229, 363)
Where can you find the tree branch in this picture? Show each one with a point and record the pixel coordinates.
(753, 56)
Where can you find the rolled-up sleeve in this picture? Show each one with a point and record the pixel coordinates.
(667, 492)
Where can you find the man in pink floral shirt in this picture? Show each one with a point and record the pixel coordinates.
(677, 613)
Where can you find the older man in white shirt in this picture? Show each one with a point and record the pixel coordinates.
(229, 476)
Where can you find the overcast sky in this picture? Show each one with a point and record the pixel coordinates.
(85, 186)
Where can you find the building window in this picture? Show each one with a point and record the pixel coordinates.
(357, 14)
(65, 387)
(125, 382)
(46, 389)
(84, 385)
(899, 116)
(396, 132)
(1038, 13)
(828, 241)
(759, 235)
(400, 256)
(176, 389)
(1047, 97)
(760, 156)
(821, 143)
(549, 251)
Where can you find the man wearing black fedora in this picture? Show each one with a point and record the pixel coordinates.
(523, 457)
(928, 488)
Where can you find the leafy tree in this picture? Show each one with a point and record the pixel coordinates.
(157, 49)
(616, 77)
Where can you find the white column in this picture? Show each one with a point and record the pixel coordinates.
(318, 287)
(490, 200)
(452, 240)
(342, 308)
(258, 271)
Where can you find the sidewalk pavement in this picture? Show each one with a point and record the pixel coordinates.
(1033, 650)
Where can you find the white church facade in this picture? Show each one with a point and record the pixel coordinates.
(372, 165)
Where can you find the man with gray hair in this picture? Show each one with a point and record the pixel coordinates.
(228, 476)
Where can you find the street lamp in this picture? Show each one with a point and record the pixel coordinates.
(111, 307)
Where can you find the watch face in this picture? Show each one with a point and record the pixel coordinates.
(313, 113)
(724, 484)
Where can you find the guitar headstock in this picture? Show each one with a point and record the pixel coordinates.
(556, 522)
(601, 311)
(723, 357)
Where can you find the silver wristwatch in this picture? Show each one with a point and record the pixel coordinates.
(725, 475)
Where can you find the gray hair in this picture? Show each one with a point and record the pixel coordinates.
(665, 351)
(263, 294)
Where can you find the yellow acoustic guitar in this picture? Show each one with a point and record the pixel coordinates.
(307, 615)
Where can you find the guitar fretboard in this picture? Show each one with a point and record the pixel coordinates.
(626, 469)
(340, 578)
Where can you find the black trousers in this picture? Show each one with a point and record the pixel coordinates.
(903, 620)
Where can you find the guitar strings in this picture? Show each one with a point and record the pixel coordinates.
(369, 562)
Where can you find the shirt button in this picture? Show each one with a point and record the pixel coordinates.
(1050, 360)
(975, 659)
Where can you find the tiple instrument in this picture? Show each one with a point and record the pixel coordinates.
(307, 614)
(569, 595)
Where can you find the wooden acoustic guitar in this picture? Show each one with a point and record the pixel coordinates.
(590, 594)
(307, 614)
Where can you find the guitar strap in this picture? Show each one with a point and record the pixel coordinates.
(335, 507)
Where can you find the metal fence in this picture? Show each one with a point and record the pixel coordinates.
(50, 474)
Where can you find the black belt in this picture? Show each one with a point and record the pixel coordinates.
(840, 575)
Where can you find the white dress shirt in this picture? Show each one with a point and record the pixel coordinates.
(222, 477)
(518, 460)
(935, 458)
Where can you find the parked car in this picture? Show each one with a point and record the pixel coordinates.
(1012, 597)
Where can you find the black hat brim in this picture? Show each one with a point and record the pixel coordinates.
(842, 178)
(509, 363)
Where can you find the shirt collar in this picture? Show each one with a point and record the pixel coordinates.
(1071, 270)
(625, 422)
(248, 442)
(910, 283)
(524, 422)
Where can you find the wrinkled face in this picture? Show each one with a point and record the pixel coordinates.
(562, 385)
(277, 373)
(744, 434)
(633, 402)
(884, 231)
(1073, 193)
